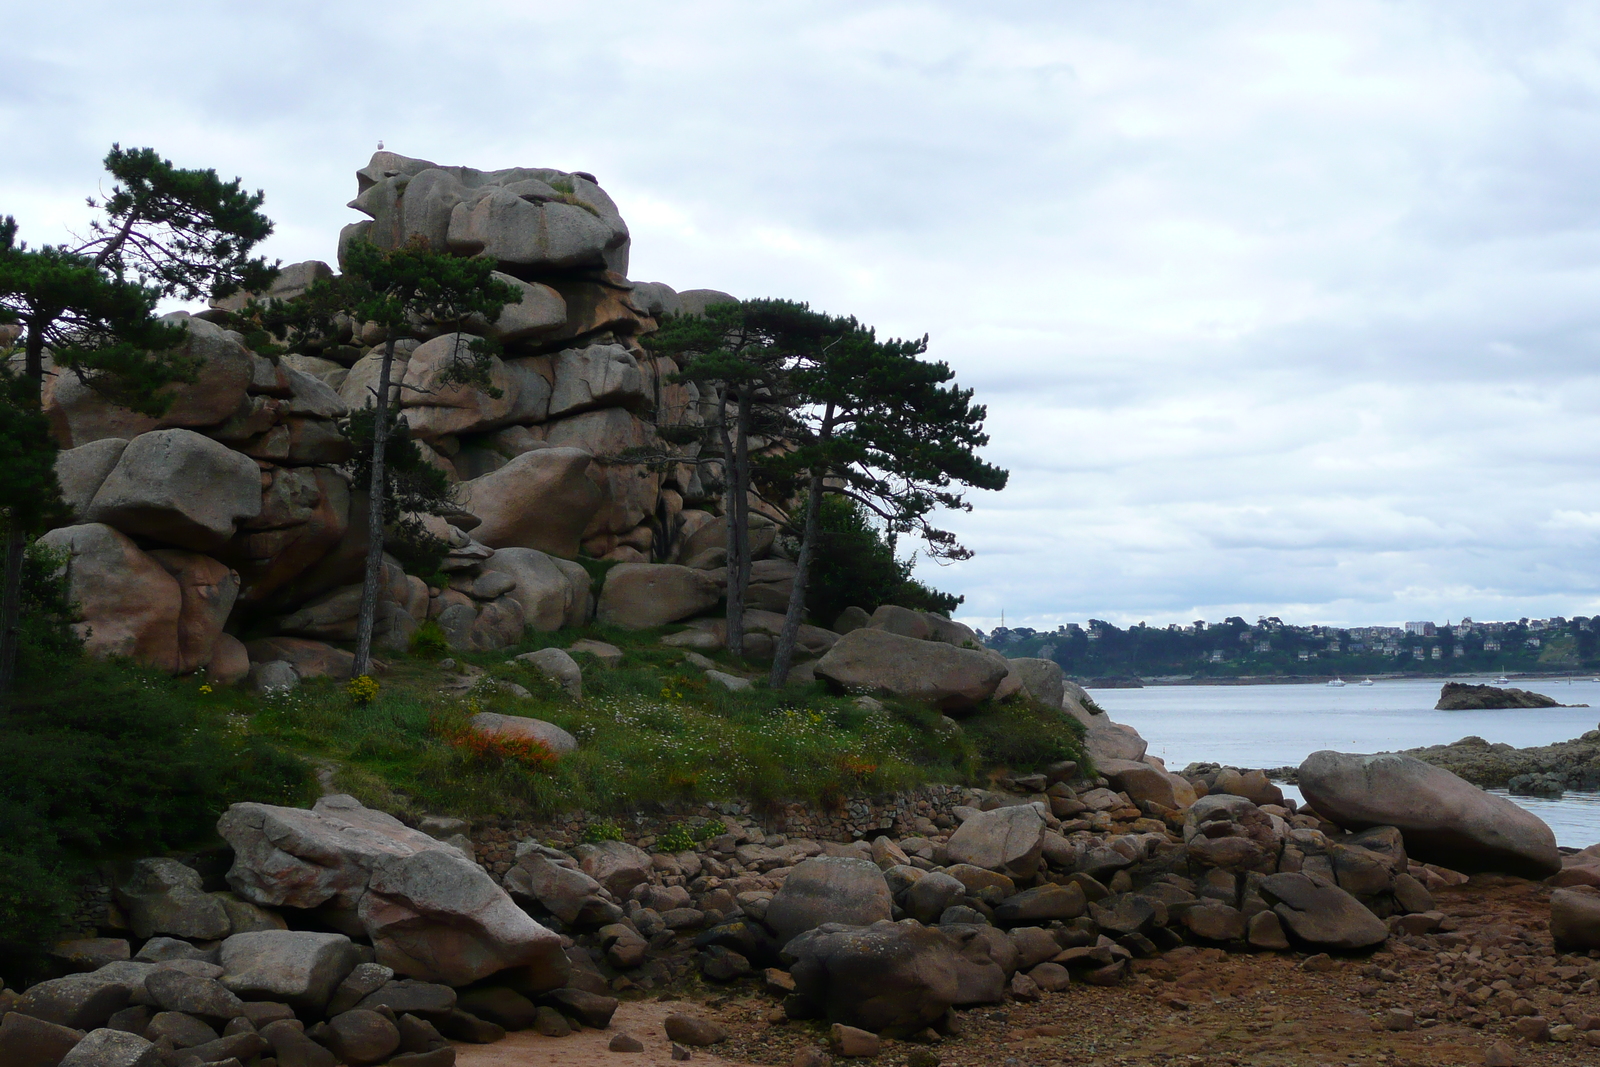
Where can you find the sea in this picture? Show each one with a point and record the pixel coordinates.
(1272, 726)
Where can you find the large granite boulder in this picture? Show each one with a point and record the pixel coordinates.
(890, 978)
(80, 1001)
(553, 592)
(164, 897)
(616, 865)
(1575, 919)
(1147, 782)
(597, 376)
(29, 1042)
(1319, 913)
(113, 1048)
(562, 890)
(1042, 679)
(829, 889)
(180, 488)
(128, 604)
(524, 218)
(1444, 819)
(542, 499)
(81, 471)
(301, 968)
(79, 415)
(523, 728)
(637, 596)
(1102, 738)
(436, 406)
(932, 672)
(430, 912)
(1008, 840)
(540, 311)
(207, 590)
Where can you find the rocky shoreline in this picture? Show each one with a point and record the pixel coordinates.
(962, 922)
(1539, 770)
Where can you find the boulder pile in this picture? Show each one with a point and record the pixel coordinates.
(345, 937)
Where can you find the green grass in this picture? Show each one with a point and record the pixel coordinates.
(651, 730)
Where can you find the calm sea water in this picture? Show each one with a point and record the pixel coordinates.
(1279, 725)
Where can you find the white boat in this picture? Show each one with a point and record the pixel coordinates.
(1336, 683)
(1502, 680)
(1367, 681)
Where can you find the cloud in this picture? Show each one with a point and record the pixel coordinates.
(1277, 309)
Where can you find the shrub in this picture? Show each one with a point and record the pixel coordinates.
(681, 837)
(855, 565)
(428, 641)
(100, 760)
(361, 690)
(605, 830)
(1023, 735)
(490, 748)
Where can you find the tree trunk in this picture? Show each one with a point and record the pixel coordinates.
(376, 495)
(738, 481)
(11, 614)
(784, 652)
(16, 545)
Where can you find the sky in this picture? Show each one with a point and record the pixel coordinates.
(1277, 309)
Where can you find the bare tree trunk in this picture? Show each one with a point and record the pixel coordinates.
(11, 620)
(17, 545)
(376, 495)
(784, 653)
(738, 482)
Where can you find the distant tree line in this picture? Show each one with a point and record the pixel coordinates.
(1235, 648)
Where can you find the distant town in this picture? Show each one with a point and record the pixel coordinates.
(1235, 648)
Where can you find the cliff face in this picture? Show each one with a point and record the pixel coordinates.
(231, 511)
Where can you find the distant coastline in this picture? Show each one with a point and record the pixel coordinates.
(1303, 679)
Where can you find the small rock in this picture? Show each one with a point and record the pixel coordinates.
(691, 1030)
(1321, 963)
(851, 1043)
(1500, 1054)
(732, 683)
(1399, 1019)
(811, 1056)
(1025, 988)
(679, 1052)
(625, 1043)
(1532, 1027)
(552, 1023)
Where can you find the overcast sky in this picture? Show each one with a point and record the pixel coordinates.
(1284, 309)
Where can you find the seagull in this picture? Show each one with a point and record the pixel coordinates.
(380, 146)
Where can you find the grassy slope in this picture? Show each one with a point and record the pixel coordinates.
(651, 730)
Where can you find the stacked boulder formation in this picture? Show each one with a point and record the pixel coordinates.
(231, 511)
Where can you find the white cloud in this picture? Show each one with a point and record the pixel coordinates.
(1281, 309)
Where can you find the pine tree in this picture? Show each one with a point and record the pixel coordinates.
(400, 290)
(166, 231)
(743, 351)
(879, 425)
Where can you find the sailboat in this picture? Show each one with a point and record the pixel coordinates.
(1366, 681)
(1502, 680)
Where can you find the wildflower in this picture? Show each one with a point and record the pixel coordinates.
(361, 690)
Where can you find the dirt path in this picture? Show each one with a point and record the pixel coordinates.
(641, 1019)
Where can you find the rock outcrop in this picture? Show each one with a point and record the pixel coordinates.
(1463, 696)
(244, 469)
